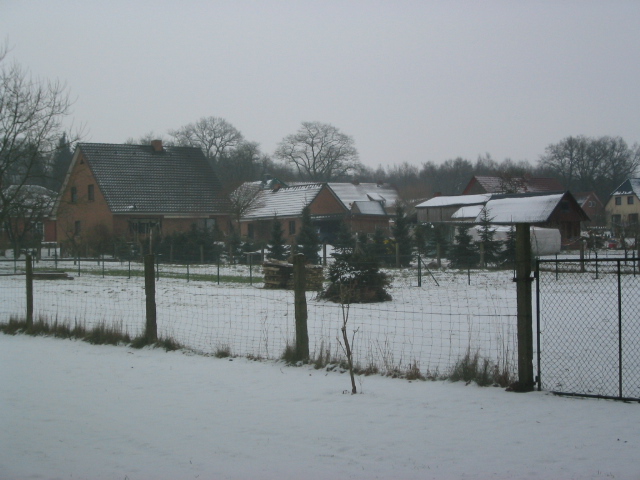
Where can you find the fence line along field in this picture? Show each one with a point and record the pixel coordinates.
(211, 308)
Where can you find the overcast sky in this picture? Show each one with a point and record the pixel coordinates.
(410, 81)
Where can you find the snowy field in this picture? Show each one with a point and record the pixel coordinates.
(431, 326)
(71, 410)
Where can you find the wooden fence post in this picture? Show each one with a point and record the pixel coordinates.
(300, 302)
(151, 327)
(525, 315)
(29, 275)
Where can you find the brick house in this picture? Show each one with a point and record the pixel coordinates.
(593, 207)
(623, 207)
(364, 207)
(286, 204)
(133, 192)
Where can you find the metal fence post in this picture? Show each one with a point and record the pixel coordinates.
(29, 275)
(619, 332)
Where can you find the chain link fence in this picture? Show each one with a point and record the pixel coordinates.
(588, 317)
(428, 329)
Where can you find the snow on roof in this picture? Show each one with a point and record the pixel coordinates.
(368, 208)
(349, 193)
(530, 209)
(451, 201)
(285, 201)
(628, 187)
(470, 211)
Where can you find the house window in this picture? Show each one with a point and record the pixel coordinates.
(592, 203)
(564, 206)
(77, 226)
(250, 231)
(74, 195)
(208, 224)
(292, 227)
(633, 219)
(616, 220)
(143, 226)
(90, 193)
(618, 200)
(629, 200)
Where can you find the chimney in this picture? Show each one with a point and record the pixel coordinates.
(156, 145)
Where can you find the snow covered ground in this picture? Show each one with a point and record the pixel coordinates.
(431, 326)
(73, 410)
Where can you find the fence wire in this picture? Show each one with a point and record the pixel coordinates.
(588, 327)
(212, 308)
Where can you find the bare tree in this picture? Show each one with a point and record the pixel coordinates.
(213, 134)
(24, 220)
(598, 164)
(245, 199)
(320, 152)
(31, 115)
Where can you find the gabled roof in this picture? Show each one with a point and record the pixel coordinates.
(526, 208)
(285, 201)
(139, 179)
(583, 197)
(630, 186)
(357, 192)
(494, 184)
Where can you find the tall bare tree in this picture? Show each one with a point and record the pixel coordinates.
(214, 135)
(598, 164)
(320, 152)
(31, 115)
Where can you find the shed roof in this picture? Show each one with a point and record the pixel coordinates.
(452, 201)
(507, 209)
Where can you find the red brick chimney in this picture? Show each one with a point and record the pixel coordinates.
(156, 145)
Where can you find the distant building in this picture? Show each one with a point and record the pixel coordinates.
(480, 184)
(137, 191)
(623, 207)
(556, 210)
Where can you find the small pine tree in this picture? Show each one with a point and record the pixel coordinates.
(355, 277)
(420, 239)
(308, 242)
(490, 245)
(463, 253)
(379, 246)
(508, 254)
(344, 240)
(401, 235)
(277, 249)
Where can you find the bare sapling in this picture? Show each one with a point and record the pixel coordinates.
(345, 344)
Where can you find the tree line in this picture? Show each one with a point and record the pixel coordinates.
(35, 150)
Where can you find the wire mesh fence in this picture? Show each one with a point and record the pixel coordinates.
(213, 308)
(588, 327)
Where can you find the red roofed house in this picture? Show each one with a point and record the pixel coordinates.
(486, 184)
(133, 192)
